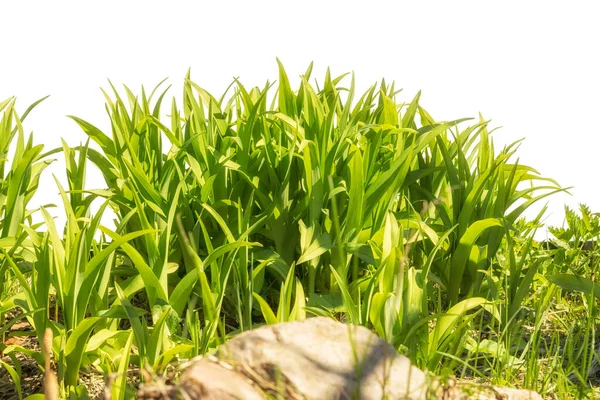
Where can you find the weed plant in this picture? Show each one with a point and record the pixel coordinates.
(270, 204)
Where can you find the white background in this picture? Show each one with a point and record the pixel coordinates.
(531, 67)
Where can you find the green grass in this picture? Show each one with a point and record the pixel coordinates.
(273, 204)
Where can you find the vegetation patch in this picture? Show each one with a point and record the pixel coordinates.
(277, 204)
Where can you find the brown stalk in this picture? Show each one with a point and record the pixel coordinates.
(50, 380)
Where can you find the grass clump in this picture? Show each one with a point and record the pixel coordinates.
(270, 204)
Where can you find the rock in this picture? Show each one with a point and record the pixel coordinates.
(211, 380)
(320, 358)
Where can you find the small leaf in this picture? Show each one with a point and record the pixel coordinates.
(575, 282)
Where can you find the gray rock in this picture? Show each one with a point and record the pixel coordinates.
(320, 358)
(210, 380)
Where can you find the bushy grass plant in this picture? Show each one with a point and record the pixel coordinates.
(273, 204)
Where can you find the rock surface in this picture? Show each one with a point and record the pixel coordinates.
(324, 359)
(213, 380)
(320, 359)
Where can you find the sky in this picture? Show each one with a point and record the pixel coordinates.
(532, 68)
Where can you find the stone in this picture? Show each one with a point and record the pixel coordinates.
(210, 380)
(320, 358)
